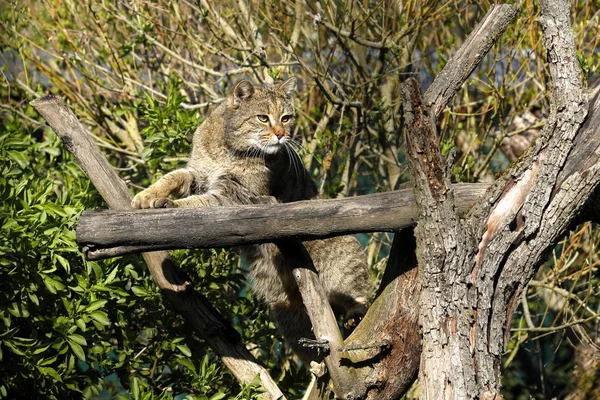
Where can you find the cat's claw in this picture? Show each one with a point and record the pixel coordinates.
(163, 203)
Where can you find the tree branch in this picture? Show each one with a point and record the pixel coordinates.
(109, 233)
(468, 57)
(198, 312)
(345, 380)
(441, 255)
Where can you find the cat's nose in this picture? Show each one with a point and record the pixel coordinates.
(279, 133)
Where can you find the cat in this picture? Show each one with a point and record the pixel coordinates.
(242, 154)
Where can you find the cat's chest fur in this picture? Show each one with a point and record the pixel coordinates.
(280, 175)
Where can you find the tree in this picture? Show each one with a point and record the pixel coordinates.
(474, 292)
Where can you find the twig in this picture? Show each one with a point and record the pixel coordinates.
(557, 327)
(564, 293)
(353, 37)
(526, 312)
(202, 105)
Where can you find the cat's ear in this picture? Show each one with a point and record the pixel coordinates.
(242, 91)
(289, 87)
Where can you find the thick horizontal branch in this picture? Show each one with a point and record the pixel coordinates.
(110, 233)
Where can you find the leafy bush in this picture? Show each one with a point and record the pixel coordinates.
(102, 328)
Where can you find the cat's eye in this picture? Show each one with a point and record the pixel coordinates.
(263, 118)
(286, 118)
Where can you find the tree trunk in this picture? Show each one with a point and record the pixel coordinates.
(473, 270)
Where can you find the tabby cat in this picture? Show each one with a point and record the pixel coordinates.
(242, 154)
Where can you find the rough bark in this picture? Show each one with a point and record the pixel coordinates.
(473, 276)
(441, 252)
(195, 308)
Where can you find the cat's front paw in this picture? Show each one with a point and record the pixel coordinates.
(146, 200)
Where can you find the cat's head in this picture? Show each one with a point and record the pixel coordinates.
(259, 119)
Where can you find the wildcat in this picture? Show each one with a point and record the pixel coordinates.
(241, 154)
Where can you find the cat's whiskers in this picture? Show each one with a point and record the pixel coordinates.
(258, 152)
(296, 146)
(295, 160)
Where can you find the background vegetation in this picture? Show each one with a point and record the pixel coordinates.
(142, 75)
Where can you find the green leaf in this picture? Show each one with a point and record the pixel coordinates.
(48, 361)
(49, 283)
(111, 276)
(63, 261)
(95, 305)
(185, 350)
(34, 299)
(186, 362)
(77, 339)
(81, 324)
(77, 350)
(100, 317)
(51, 372)
(139, 291)
(54, 209)
(20, 157)
(135, 387)
(41, 349)
(14, 348)
(52, 285)
(218, 396)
